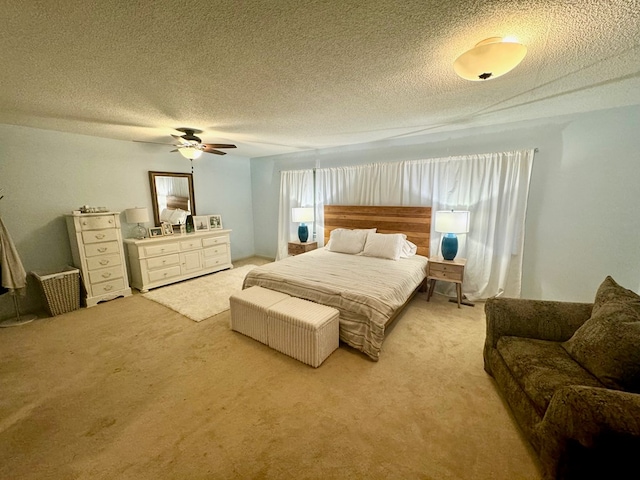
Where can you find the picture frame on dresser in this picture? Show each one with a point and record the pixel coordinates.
(201, 222)
(167, 229)
(155, 231)
(215, 222)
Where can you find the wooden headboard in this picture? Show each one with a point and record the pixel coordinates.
(173, 201)
(415, 222)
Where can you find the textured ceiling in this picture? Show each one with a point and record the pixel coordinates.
(289, 75)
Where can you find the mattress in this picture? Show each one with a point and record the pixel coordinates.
(367, 291)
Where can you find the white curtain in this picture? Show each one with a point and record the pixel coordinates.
(493, 187)
(296, 190)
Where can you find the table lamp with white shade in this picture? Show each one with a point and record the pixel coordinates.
(302, 215)
(451, 223)
(137, 215)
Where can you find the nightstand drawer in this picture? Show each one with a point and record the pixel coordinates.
(446, 271)
(446, 275)
(296, 248)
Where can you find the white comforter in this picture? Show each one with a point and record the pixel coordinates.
(367, 291)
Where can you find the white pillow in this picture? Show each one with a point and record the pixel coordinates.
(384, 245)
(408, 249)
(165, 215)
(344, 240)
(179, 216)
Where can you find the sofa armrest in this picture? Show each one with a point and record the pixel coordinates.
(589, 428)
(539, 319)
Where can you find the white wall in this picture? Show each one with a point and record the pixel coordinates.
(45, 174)
(581, 221)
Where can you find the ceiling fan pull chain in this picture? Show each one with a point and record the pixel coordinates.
(191, 166)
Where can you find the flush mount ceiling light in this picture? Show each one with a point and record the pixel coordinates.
(490, 58)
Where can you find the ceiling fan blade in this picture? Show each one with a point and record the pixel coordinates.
(176, 150)
(154, 143)
(208, 149)
(218, 145)
(180, 139)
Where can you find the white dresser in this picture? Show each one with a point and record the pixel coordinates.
(158, 261)
(96, 247)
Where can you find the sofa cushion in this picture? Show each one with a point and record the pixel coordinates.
(540, 367)
(608, 344)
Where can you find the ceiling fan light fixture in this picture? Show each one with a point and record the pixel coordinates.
(190, 152)
(490, 58)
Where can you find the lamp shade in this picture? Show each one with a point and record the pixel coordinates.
(452, 221)
(190, 152)
(302, 214)
(137, 215)
(490, 58)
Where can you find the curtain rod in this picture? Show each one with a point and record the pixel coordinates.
(536, 150)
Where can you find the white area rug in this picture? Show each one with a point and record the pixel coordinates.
(202, 297)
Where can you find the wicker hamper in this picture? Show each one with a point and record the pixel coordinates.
(61, 290)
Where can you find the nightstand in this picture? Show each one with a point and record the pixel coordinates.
(297, 247)
(447, 271)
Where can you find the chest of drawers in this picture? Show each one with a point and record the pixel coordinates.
(158, 261)
(96, 248)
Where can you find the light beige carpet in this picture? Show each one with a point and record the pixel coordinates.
(125, 390)
(202, 297)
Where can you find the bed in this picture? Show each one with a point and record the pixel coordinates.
(369, 292)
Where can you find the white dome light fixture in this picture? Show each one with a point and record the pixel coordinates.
(190, 152)
(490, 58)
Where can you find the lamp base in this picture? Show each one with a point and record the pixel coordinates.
(139, 232)
(449, 246)
(303, 233)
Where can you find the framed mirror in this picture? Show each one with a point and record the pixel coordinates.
(171, 196)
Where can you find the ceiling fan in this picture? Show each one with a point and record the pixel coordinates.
(190, 146)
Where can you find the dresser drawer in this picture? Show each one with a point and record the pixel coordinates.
(216, 261)
(154, 250)
(102, 275)
(105, 248)
(207, 242)
(164, 273)
(107, 287)
(192, 244)
(97, 222)
(215, 251)
(103, 261)
(164, 261)
(95, 236)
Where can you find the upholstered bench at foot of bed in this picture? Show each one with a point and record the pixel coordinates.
(304, 330)
(248, 310)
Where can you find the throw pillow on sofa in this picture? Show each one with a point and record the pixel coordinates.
(608, 344)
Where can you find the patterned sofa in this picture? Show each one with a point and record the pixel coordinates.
(570, 373)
